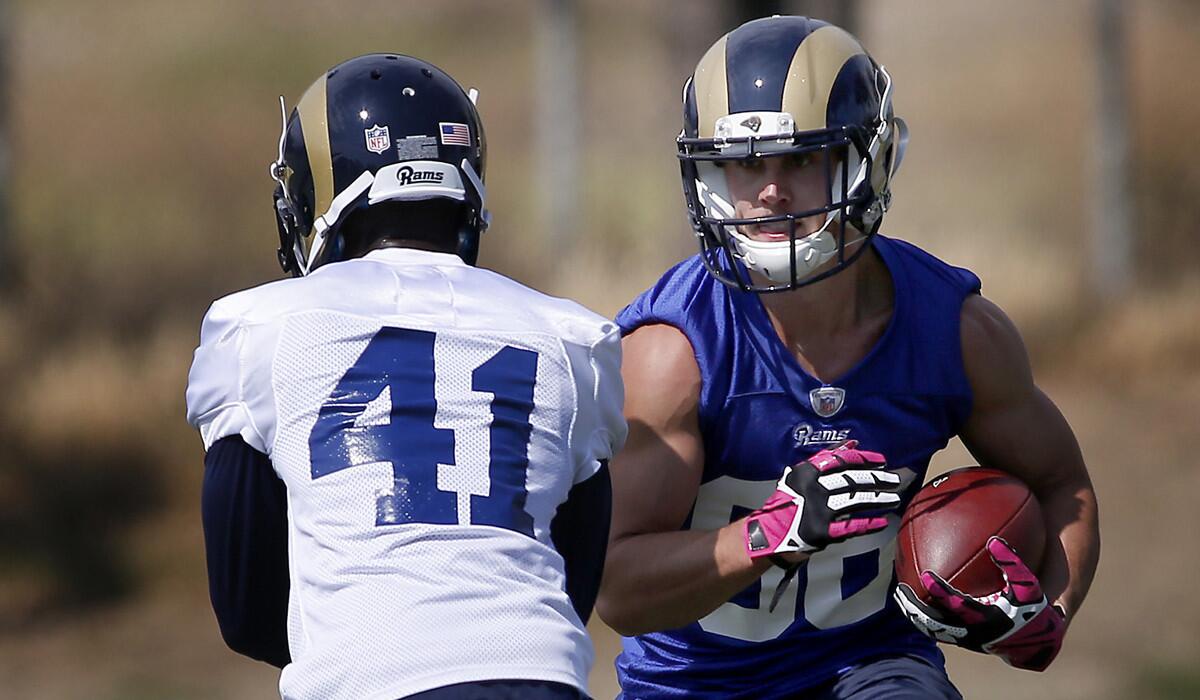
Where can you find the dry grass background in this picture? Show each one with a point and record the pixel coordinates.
(140, 132)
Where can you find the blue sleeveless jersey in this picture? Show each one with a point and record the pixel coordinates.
(759, 411)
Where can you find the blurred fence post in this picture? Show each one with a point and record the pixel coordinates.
(843, 13)
(1110, 229)
(741, 12)
(557, 123)
(6, 268)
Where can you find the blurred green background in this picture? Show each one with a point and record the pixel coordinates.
(138, 135)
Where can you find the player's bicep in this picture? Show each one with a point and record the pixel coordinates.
(1013, 425)
(656, 476)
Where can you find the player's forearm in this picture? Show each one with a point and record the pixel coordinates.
(665, 580)
(1073, 546)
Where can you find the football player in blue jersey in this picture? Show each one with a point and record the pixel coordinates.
(784, 385)
(405, 485)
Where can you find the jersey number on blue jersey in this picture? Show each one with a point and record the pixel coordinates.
(400, 361)
(843, 584)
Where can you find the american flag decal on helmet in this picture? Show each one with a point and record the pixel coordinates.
(454, 134)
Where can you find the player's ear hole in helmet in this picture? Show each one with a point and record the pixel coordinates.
(378, 129)
(781, 87)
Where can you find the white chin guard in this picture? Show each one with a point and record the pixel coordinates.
(771, 259)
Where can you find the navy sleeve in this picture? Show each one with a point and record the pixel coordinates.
(580, 534)
(243, 507)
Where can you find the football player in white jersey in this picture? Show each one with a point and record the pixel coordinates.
(405, 491)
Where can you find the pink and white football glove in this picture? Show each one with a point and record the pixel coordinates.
(1016, 623)
(829, 497)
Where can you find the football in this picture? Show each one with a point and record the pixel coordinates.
(946, 528)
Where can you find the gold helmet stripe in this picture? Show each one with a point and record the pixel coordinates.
(712, 89)
(314, 123)
(815, 67)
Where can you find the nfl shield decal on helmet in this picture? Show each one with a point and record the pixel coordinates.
(827, 400)
(378, 139)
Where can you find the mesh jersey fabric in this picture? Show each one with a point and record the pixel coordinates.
(427, 418)
(759, 411)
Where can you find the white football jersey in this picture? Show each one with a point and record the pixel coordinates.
(428, 418)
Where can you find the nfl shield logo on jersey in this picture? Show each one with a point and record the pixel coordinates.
(827, 400)
(378, 139)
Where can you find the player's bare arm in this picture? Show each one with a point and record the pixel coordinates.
(1017, 428)
(658, 576)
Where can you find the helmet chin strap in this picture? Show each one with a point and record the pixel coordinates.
(324, 222)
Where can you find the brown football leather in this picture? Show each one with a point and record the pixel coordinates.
(947, 525)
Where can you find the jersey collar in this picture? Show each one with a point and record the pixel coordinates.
(414, 256)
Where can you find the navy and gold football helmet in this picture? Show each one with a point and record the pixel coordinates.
(782, 86)
(377, 128)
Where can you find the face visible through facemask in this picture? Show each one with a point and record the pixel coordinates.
(780, 185)
(789, 185)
